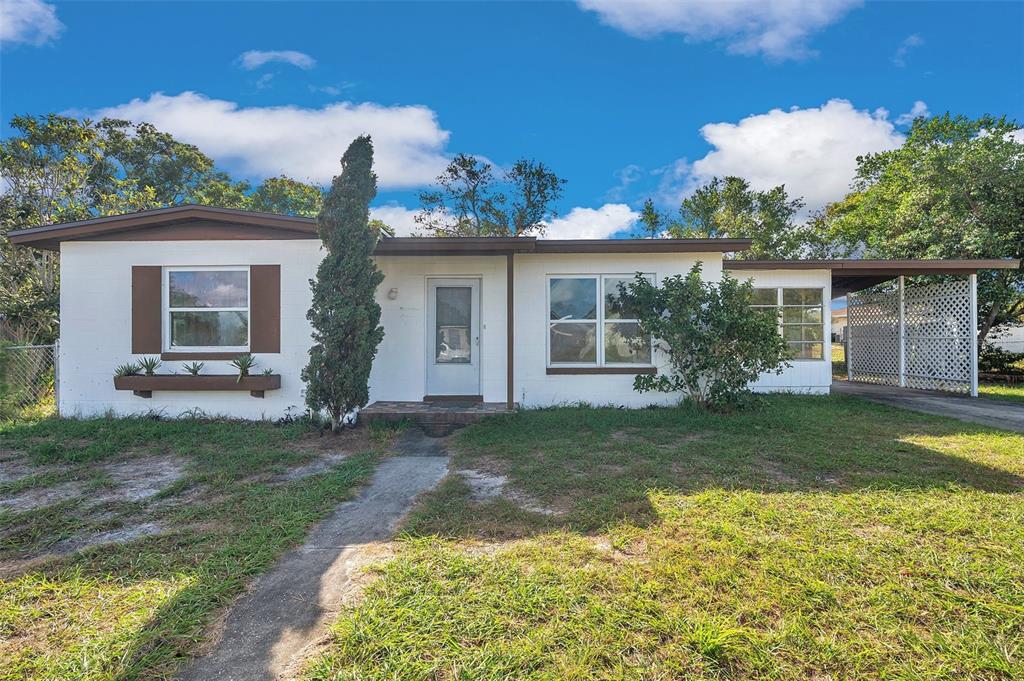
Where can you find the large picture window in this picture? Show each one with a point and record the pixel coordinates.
(206, 308)
(801, 319)
(586, 326)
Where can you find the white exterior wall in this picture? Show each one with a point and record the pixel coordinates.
(400, 370)
(96, 326)
(803, 375)
(533, 387)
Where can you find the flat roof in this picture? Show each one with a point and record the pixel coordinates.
(851, 274)
(193, 222)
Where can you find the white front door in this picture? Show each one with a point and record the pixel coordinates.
(453, 336)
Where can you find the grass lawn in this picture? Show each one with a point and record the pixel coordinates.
(839, 361)
(1002, 391)
(813, 538)
(196, 510)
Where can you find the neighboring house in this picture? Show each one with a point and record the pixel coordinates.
(505, 320)
(838, 324)
(1009, 338)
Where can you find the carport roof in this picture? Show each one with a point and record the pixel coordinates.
(854, 274)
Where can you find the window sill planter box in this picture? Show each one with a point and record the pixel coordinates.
(143, 386)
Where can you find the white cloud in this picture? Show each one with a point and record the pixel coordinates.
(32, 22)
(253, 59)
(909, 43)
(777, 29)
(592, 223)
(813, 152)
(399, 218)
(305, 143)
(920, 109)
(626, 176)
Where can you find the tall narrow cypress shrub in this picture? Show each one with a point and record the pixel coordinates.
(344, 315)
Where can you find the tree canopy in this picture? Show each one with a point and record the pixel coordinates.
(955, 189)
(470, 200)
(729, 208)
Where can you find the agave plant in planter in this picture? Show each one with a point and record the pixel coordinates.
(194, 368)
(149, 365)
(128, 369)
(244, 364)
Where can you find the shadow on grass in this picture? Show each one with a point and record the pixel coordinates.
(596, 467)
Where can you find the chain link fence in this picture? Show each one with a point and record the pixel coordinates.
(28, 379)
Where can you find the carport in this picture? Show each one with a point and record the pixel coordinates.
(919, 334)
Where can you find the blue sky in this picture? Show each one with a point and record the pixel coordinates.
(627, 100)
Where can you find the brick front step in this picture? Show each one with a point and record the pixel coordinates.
(437, 419)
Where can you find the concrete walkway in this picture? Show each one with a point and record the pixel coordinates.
(288, 608)
(997, 413)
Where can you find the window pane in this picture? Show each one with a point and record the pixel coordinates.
(453, 320)
(209, 288)
(574, 343)
(611, 297)
(618, 348)
(765, 296)
(806, 350)
(801, 296)
(804, 332)
(209, 329)
(573, 299)
(801, 315)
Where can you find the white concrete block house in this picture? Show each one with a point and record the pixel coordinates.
(498, 320)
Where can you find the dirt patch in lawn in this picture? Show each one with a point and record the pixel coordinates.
(140, 479)
(320, 465)
(121, 535)
(38, 497)
(12, 469)
(132, 480)
(484, 486)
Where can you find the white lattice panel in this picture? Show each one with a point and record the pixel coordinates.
(937, 338)
(873, 322)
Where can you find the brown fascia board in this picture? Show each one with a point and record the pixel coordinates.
(854, 267)
(641, 245)
(50, 236)
(228, 223)
(427, 246)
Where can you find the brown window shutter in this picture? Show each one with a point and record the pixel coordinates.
(265, 308)
(146, 309)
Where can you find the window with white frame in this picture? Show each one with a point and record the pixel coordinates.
(801, 319)
(206, 308)
(588, 325)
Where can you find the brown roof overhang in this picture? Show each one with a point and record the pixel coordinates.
(854, 274)
(641, 245)
(192, 222)
(162, 224)
(459, 245)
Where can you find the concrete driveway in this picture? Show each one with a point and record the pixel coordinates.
(996, 413)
